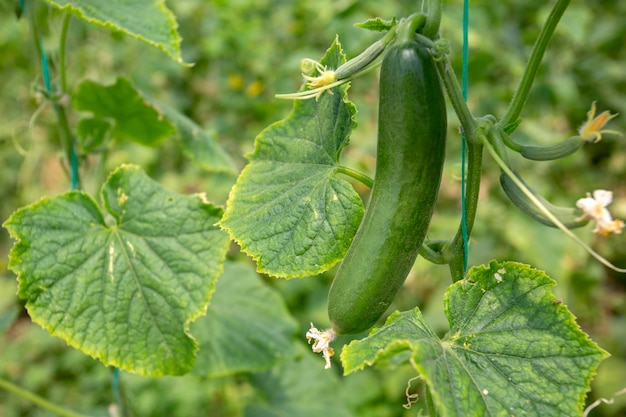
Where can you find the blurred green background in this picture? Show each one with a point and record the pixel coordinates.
(244, 52)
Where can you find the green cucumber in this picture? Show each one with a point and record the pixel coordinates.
(410, 156)
(570, 217)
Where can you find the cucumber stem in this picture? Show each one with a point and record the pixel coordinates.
(455, 252)
(357, 175)
(453, 90)
(408, 27)
(520, 96)
(433, 19)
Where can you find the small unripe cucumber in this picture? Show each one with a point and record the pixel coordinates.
(410, 156)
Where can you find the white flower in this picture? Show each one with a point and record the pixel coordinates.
(322, 343)
(594, 208)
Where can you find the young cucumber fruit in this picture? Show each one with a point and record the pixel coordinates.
(410, 156)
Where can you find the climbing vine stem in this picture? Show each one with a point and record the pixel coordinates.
(520, 97)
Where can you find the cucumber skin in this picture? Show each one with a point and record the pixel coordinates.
(410, 156)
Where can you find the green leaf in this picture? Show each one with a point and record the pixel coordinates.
(377, 24)
(247, 327)
(122, 290)
(300, 388)
(149, 21)
(126, 113)
(135, 118)
(288, 210)
(199, 144)
(93, 132)
(511, 350)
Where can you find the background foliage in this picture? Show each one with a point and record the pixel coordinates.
(244, 52)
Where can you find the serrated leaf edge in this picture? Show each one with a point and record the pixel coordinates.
(171, 50)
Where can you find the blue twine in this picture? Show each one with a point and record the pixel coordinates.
(115, 385)
(45, 69)
(73, 167)
(464, 82)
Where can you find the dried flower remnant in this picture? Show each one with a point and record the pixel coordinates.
(594, 208)
(592, 130)
(322, 343)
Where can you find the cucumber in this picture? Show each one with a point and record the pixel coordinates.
(410, 157)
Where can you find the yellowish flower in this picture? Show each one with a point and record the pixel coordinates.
(255, 88)
(235, 82)
(594, 208)
(325, 78)
(592, 128)
(322, 343)
(604, 228)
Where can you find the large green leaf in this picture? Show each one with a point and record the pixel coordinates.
(124, 285)
(512, 349)
(133, 117)
(147, 20)
(288, 209)
(247, 327)
(297, 388)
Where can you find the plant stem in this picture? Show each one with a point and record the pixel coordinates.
(62, 46)
(407, 29)
(453, 90)
(65, 135)
(433, 19)
(32, 19)
(68, 144)
(431, 251)
(455, 253)
(357, 175)
(521, 93)
(64, 130)
(35, 399)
